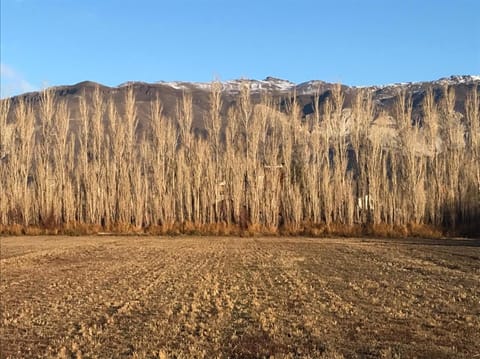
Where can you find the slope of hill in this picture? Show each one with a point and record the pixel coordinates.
(170, 93)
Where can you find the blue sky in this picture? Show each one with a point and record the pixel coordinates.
(54, 42)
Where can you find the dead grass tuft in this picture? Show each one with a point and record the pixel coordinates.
(224, 229)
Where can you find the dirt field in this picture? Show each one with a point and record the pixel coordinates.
(239, 297)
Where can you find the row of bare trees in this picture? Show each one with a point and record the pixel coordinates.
(257, 167)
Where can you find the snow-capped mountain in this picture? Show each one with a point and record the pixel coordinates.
(268, 84)
(304, 88)
(170, 93)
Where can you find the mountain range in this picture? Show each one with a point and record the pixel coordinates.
(281, 91)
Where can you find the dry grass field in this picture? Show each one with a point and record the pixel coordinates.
(193, 297)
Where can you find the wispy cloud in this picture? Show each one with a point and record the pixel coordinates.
(12, 82)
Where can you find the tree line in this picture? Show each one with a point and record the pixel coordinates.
(256, 169)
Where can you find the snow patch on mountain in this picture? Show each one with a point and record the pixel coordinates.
(268, 84)
(272, 84)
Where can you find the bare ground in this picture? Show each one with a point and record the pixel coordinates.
(239, 297)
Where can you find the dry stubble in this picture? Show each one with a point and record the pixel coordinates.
(239, 297)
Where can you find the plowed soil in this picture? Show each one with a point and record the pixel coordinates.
(185, 297)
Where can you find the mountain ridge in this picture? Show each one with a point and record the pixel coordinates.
(280, 90)
(275, 83)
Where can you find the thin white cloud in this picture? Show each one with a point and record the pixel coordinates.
(12, 82)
